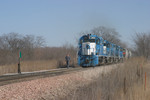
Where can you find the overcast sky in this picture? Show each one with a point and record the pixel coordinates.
(59, 21)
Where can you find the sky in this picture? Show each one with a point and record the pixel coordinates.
(60, 21)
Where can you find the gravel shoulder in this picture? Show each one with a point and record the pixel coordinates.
(52, 88)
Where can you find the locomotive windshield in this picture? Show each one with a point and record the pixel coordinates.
(86, 39)
(89, 40)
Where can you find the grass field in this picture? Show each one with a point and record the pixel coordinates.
(28, 66)
(127, 82)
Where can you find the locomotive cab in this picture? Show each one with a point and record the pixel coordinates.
(88, 50)
(88, 45)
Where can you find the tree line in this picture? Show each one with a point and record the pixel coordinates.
(12, 43)
(33, 47)
(142, 44)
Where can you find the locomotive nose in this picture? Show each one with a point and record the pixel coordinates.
(88, 48)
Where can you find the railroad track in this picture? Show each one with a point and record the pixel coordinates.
(8, 79)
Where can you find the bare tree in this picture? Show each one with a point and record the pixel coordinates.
(39, 42)
(11, 43)
(142, 44)
(109, 34)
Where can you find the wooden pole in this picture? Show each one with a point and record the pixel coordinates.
(145, 80)
(125, 85)
(142, 72)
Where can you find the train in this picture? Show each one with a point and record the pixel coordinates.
(94, 50)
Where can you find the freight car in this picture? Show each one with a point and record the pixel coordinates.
(94, 50)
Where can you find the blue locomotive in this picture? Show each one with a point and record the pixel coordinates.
(94, 50)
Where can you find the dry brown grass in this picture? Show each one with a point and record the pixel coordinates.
(114, 87)
(111, 86)
(28, 66)
(136, 92)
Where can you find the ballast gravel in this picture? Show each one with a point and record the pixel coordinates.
(51, 88)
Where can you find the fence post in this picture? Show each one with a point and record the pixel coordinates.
(125, 85)
(138, 71)
(145, 80)
(142, 72)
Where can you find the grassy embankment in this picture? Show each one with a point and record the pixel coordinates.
(124, 83)
(27, 66)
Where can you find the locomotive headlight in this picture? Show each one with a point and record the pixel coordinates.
(87, 46)
(87, 60)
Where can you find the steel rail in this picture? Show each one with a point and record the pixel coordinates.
(8, 79)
